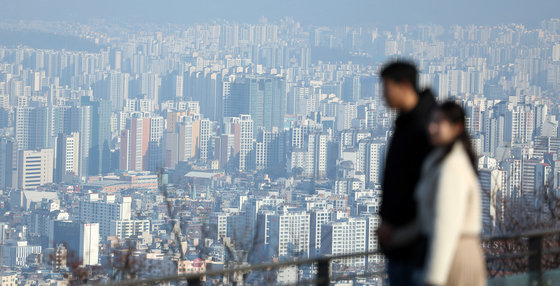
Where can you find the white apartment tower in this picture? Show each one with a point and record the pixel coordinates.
(287, 233)
(89, 243)
(124, 229)
(493, 185)
(104, 211)
(67, 155)
(345, 236)
(35, 168)
(245, 141)
(376, 157)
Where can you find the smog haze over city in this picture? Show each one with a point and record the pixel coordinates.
(149, 139)
(312, 12)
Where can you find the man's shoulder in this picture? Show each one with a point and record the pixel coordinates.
(428, 96)
(427, 101)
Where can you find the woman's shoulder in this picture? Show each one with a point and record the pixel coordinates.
(457, 161)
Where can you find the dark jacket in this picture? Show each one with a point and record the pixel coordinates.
(408, 148)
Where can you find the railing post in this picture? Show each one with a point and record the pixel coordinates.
(323, 272)
(535, 260)
(194, 281)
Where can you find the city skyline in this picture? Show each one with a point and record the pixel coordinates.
(195, 147)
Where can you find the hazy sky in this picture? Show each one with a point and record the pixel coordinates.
(385, 13)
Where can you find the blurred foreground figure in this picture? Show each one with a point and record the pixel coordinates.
(449, 203)
(448, 197)
(408, 148)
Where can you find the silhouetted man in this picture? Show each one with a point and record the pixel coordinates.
(408, 148)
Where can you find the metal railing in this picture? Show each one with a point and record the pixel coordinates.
(324, 276)
(534, 253)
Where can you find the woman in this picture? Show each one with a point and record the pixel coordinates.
(448, 198)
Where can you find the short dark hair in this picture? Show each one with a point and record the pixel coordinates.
(401, 72)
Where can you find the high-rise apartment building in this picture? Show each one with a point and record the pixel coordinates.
(35, 168)
(141, 143)
(124, 229)
(317, 219)
(104, 211)
(67, 156)
(98, 120)
(8, 162)
(81, 240)
(245, 139)
(187, 139)
(203, 146)
(33, 126)
(494, 197)
(84, 118)
(345, 236)
(313, 159)
(15, 253)
(287, 233)
(262, 97)
(270, 149)
(375, 157)
(117, 89)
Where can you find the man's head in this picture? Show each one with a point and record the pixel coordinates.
(400, 85)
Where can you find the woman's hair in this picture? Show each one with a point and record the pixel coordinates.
(455, 114)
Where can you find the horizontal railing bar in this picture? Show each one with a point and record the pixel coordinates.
(521, 254)
(555, 250)
(282, 264)
(265, 266)
(356, 276)
(533, 233)
(509, 256)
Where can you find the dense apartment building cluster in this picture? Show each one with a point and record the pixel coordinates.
(199, 147)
